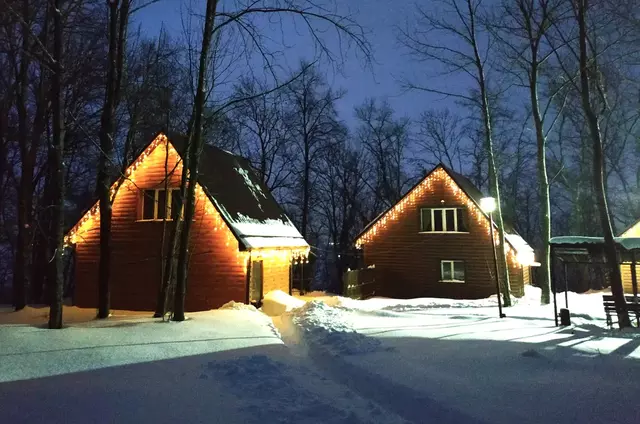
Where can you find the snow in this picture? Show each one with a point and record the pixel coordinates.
(223, 366)
(329, 328)
(267, 233)
(266, 242)
(248, 227)
(626, 242)
(277, 302)
(330, 359)
(236, 306)
(255, 189)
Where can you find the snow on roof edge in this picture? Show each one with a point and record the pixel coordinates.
(626, 242)
(265, 242)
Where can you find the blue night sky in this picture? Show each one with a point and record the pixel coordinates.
(380, 18)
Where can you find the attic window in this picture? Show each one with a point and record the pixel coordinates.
(157, 204)
(443, 220)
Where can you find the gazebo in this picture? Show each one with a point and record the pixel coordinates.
(589, 251)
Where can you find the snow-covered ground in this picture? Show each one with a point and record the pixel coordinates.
(223, 366)
(326, 359)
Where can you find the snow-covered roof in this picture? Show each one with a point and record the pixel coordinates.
(628, 243)
(632, 231)
(244, 201)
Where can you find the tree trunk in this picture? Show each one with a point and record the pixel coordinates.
(305, 195)
(598, 168)
(57, 174)
(543, 181)
(493, 174)
(22, 266)
(195, 150)
(164, 254)
(106, 154)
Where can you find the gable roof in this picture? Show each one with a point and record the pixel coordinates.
(242, 200)
(517, 243)
(632, 231)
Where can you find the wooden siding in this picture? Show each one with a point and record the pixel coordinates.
(626, 277)
(217, 271)
(276, 275)
(407, 262)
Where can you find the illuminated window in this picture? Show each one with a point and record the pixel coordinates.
(443, 220)
(452, 271)
(158, 204)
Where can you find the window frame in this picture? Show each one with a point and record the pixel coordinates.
(443, 215)
(451, 264)
(168, 204)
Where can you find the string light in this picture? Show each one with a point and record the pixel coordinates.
(92, 217)
(409, 201)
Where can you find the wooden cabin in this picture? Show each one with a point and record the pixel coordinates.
(242, 243)
(625, 266)
(435, 242)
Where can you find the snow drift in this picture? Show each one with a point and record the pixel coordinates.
(277, 302)
(324, 326)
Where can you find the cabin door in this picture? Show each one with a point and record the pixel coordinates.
(255, 288)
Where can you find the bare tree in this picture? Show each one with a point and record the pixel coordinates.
(194, 147)
(118, 21)
(313, 125)
(442, 134)
(466, 51)
(263, 135)
(57, 172)
(521, 32)
(587, 56)
(343, 194)
(385, 138)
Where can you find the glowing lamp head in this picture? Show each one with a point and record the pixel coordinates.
(488, 204)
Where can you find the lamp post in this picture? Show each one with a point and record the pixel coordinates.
(488, 205)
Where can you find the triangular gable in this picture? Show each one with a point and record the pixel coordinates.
(439, 173)
(287, 237)
(632, 231)
(92, 216)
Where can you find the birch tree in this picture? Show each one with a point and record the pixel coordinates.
(316, 18)
(521, 31)
(464, 52)
(588, 81)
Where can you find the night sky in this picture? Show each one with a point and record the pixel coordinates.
(380, 18)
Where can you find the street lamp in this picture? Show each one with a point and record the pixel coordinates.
(488, 205)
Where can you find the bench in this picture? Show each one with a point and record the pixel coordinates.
(610, 307)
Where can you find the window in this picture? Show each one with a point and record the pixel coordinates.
(443, 220)
(452, 271)
(158, 204)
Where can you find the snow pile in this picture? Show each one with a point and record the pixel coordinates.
(277, 302)
(237, 306)
(323, 325)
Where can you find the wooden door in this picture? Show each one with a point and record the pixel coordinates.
(255, 293)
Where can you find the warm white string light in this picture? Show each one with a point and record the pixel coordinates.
(91, 218)
(410, 201)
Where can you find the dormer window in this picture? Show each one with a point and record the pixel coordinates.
(443, 220)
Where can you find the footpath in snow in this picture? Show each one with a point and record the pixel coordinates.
(323, 359)
(223, 366)
(462, 364)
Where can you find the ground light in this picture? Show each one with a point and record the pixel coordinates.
(488, 205)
